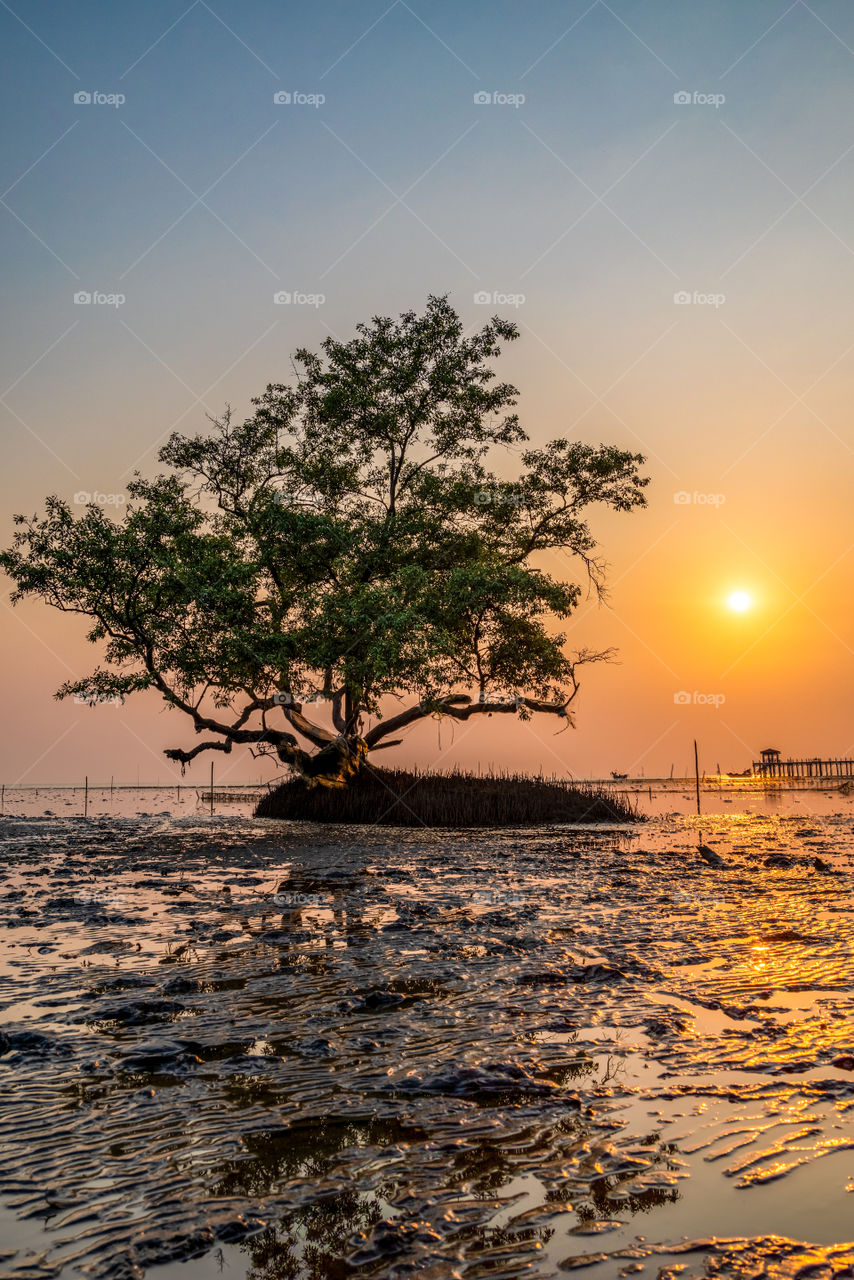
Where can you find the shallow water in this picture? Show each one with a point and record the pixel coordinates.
(281, 1051)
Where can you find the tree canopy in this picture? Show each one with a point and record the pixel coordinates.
(347, 543)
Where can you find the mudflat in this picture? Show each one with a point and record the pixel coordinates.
(280, 1049)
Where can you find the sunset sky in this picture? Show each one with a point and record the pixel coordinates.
(681, 272)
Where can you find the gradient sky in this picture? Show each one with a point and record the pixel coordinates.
(599, 198)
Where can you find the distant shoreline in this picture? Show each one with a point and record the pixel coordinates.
(709, 780)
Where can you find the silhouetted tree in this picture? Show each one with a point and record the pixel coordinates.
(345, 543)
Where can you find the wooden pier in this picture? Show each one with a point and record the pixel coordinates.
(770, 765)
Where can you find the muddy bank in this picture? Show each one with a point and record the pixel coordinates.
(292, 1052)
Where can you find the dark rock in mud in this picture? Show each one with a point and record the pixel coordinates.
(318, 1048)
(597, 973)
(137, 1013)
(122, 982)
(151, 1252)
(711, 858)
(668, 1025)
(374, 1001)
(182, 987)
(492, 1082)
(547, 978)
(32, 1043)
(160, 1058)
(401, 924)
(390, 1239)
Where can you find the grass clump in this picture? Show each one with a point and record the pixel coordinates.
(399, 798)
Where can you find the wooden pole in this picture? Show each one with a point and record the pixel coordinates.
(211, 788)
(3, 798)
(86, 797)
(697, 774)
(111, 788)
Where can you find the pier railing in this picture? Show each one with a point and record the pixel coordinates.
(814, 768)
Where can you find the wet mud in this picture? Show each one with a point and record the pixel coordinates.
(240, 1048)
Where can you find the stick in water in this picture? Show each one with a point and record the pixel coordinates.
(697, 774)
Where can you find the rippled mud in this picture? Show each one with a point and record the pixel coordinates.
(285, 1052)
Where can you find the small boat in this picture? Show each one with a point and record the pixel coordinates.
(619, 777)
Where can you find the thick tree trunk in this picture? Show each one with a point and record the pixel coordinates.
(336, 764)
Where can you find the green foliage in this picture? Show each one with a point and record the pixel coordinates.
(348, 539)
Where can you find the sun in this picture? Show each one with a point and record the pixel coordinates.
(739, 601)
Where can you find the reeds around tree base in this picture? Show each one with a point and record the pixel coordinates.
(398, 798)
